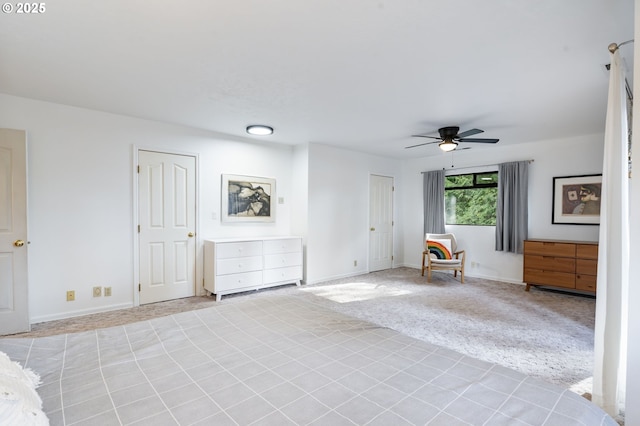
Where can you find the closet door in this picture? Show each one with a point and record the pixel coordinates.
(167, 241)
(380, 222)
(14, 302)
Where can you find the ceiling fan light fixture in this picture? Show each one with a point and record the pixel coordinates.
(259, 130)
(448, 145)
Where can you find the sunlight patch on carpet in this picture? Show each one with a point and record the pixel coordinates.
(354, 292)
(583, 387)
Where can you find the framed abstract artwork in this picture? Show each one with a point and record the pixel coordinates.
(248, 198)
(576, 200)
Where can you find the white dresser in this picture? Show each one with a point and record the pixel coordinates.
(232, 265)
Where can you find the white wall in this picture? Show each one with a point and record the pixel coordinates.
(80, 180)
(562, 157)
(81, 200)
(632, 414)
(338, 217)
(633, 341)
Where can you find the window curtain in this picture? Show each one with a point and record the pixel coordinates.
(433, 189)
(512, 211)
(610, 344)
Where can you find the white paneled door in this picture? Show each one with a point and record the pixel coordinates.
(380, 222)
(14, 302)
(166, 214)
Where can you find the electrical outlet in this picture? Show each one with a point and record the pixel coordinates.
(71, 296)
(107, 291)
(97, 291)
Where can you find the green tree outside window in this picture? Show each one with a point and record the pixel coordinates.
(470, 199)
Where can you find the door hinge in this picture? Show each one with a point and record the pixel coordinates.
(139, 287)
(391, 257)
(138, 229)
(138, 168)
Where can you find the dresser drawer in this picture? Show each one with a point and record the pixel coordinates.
(290, 274)
(238, 264)
(550, 263)
(587, 251)
(551, 278)
(586, 282)
(237, 281)
(286, 245)
(239, 249)
(585, 266)
(549, 248)
(282, 260)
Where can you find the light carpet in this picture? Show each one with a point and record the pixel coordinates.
(547, 335)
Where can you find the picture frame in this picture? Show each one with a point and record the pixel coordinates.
(248, 198)
(576, 200)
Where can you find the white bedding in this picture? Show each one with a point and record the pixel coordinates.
(19, 402)
(280, 360)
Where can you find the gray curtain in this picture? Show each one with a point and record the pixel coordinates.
(433, 189)
(512, 215)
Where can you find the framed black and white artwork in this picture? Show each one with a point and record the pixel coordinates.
(248, 198)
(576, 200)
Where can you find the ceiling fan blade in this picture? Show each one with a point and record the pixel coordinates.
(468, 133)
(425, 136)
(478, 140)
(420, 144)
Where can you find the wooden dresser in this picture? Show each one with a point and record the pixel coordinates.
(566, 264)
(234, 265)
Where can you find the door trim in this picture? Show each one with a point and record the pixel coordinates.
(198, 273)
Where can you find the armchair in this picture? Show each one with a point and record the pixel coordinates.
(441, 254)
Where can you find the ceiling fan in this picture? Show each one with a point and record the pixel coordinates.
(449, 138)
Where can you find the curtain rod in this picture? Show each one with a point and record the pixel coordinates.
(475, 167)
(614, 46)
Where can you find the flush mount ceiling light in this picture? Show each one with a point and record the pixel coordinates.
(448, 145)
(259, 130)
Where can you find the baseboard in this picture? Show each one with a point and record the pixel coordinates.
(79, 313)
(335, 277)
(493, 278)
(472, 275)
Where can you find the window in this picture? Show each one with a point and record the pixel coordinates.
(470, 199)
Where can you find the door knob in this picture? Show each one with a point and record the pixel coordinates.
(190, 234)
(18, 243)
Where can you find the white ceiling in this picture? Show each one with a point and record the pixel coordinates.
(360, 74)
